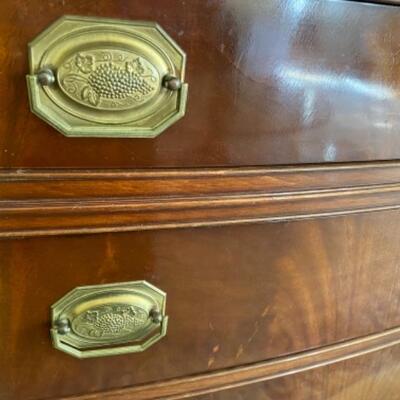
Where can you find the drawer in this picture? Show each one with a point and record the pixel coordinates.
(235, 295)
(374, 376)
(274, 82)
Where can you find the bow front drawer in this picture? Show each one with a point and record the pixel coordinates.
(234, 295)
(274, 82)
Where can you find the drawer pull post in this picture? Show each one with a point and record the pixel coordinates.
(63, 326)
(46, 77)
(172, 83)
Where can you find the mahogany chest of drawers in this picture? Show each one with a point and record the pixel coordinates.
(199, 199)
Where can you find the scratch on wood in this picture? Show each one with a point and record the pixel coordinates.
(240, 351)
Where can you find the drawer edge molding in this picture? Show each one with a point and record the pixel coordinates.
(38, 203)
(245, 375)
(45, 218)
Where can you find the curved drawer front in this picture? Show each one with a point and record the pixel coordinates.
(236, 295)
(277, 82)
(362, 372)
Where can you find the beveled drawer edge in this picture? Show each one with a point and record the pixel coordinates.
(244, 375)
(34, 203)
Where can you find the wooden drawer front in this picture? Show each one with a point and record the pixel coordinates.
(235, 295)
(270, 82)
(374, 376)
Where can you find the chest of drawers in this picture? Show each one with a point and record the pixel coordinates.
(267, 214)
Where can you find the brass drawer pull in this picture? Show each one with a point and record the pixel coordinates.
(106, 78)
(103, 320)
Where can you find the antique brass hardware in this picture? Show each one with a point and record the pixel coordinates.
(46, 77)
(104, 320)
(106, 78)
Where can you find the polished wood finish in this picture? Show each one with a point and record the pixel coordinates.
(273, 82)
(213, 382)
(161, 183)
(374, 376)
(293, 116)
(236, 295)
(128, 201)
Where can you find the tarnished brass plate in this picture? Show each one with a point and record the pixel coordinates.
(101, 320)
(106, 78)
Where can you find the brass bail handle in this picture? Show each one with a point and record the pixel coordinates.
(63, 326)
(46, 77)
(104, 320)
(97, 77)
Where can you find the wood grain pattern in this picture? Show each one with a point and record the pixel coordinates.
(39, 184)
(236, 295)
(47, 217)
(273, 82)
(214, 382)
(293, 114)
(65, 202)
(371, 377)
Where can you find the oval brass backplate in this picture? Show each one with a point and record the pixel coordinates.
(102, 320)
(106, 78)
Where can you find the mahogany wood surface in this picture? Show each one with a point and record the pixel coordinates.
(211, 382)
(374, 376)
(293, 115)
(64, 202)
(63, 184)
(236, 295)
(271, 82)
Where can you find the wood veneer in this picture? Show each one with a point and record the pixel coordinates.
(241, 377)
(374, 376)
(236, 295)
(296, 309)
(92, 201)
(276, 82)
